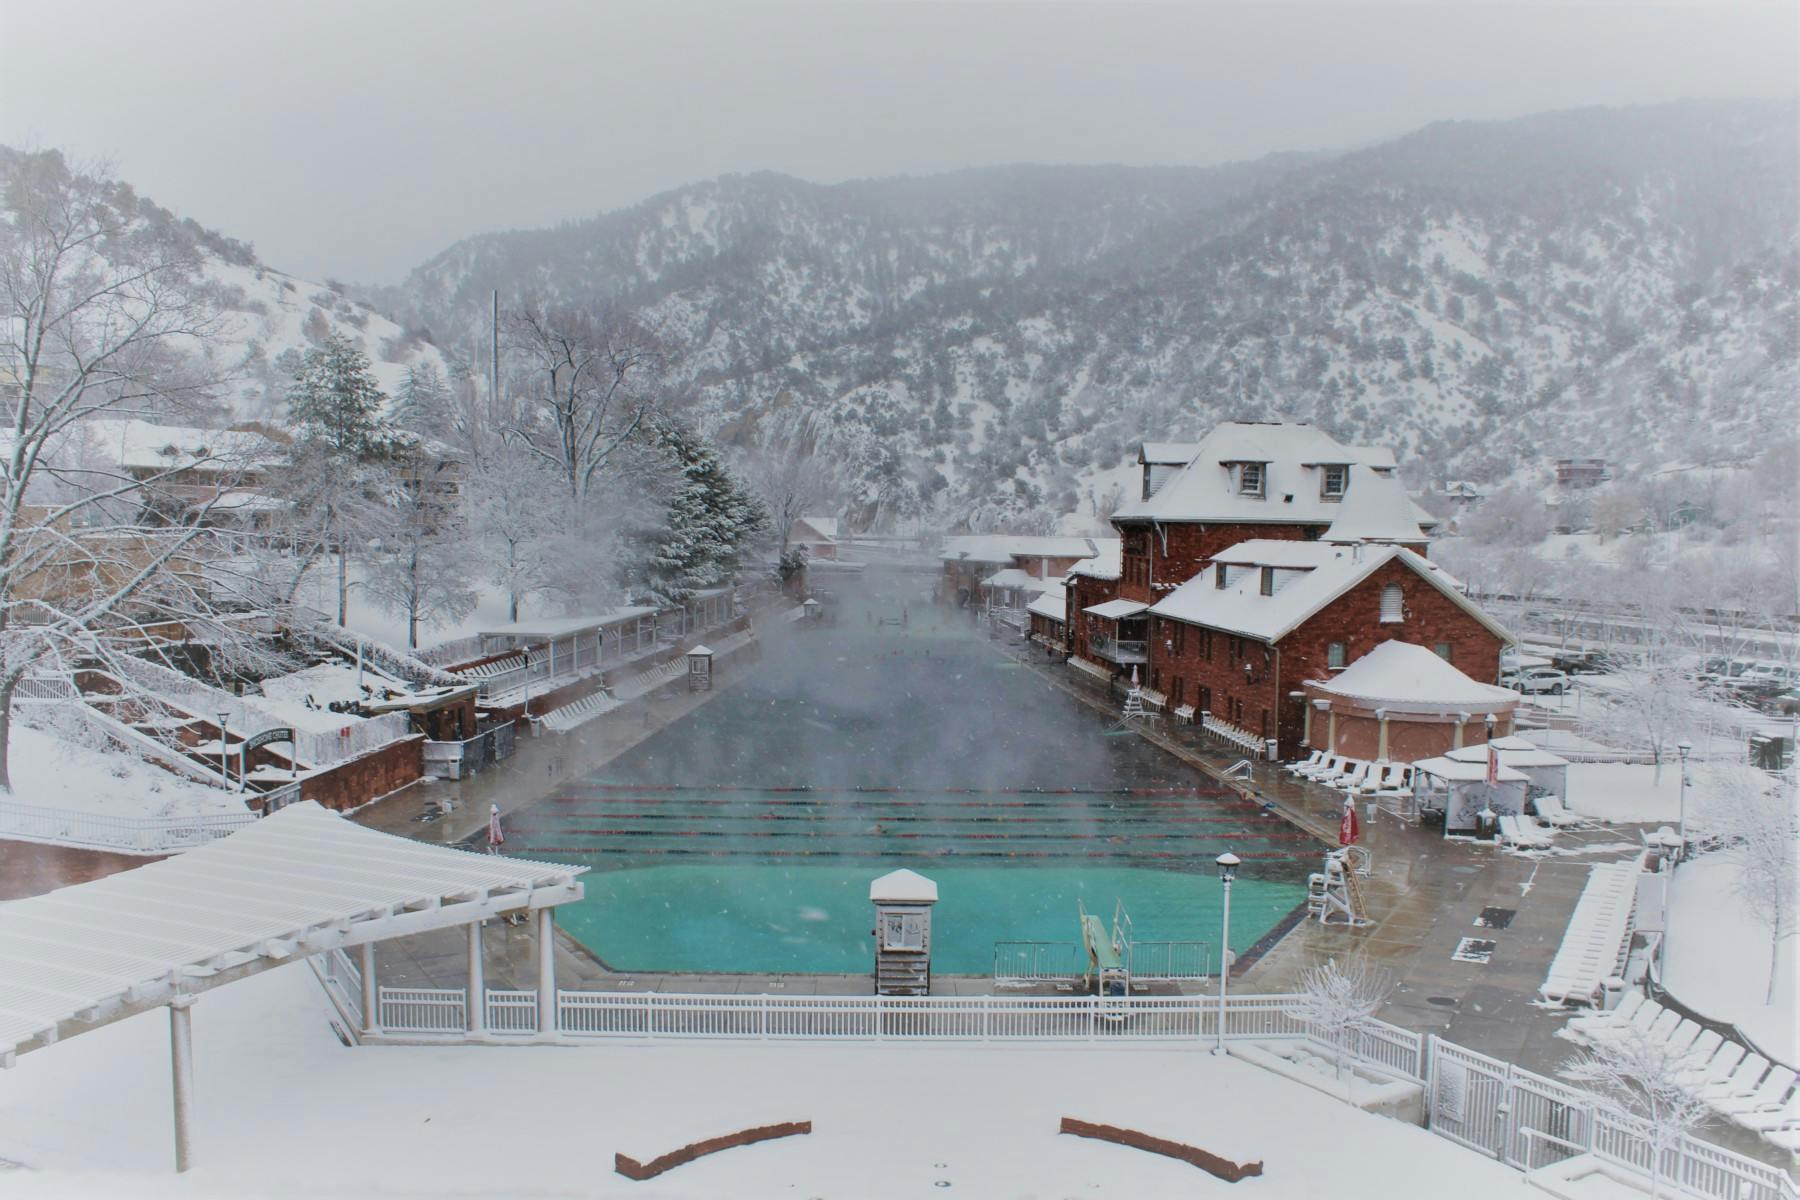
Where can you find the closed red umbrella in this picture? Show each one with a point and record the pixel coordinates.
(496, 838)
(1349, 828)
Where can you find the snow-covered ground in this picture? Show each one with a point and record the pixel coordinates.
(283, 1109)
(1626, 791)
(364, 615)
(55, 773)
(1717, 961)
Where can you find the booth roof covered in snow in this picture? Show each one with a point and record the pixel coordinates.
(294, 883)
(904, 887)
(1465, 772)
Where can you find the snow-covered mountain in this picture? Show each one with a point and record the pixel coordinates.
(267, 319)
(986, 343)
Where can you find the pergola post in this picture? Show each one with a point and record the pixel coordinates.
(371, 995)
(546, 964)
(181, 1063)
(477, 1005)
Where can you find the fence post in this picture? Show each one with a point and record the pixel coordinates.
(987, 1008)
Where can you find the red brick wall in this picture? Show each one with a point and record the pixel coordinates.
(1354, 619)
(1052, 631)
(1150, 567)
(360, 780)
(1085, 592)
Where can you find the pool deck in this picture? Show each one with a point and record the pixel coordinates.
(1424, 893)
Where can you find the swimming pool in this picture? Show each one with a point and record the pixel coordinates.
(743, 838)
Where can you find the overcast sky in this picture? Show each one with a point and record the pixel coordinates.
(355, 138)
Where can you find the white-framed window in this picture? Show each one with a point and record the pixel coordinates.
(903, 931)
(1334, 481)
(1335, 655)
(1393, 605)
(1250, 479)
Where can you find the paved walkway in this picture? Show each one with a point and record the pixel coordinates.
(1425, 895)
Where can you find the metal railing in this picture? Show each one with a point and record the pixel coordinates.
(1119, 650)
(511, 1012)
(102, 831)
(1020, 963)
(1170, 960)
(423, 1010)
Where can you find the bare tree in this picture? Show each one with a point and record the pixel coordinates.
(516, 516)
(1647, 1080)
(420, 568)
(1754, 814)
(580, 397)
(105, 315)
(1337, 1002)
(792, 480)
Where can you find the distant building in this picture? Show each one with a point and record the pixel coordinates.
(1581, 472)
(1048, 611)
(969, 561)
(816, 535)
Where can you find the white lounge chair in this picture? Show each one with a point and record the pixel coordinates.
(1769, 1094)
(1741, 1082)
(1334, 764)
(1384, 779)
(1522, 834)
(1353, 779)
(1310, 761)
(1551, 809)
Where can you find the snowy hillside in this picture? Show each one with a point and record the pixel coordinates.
(990, 343)
(266, 319)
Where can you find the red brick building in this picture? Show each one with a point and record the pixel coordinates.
(969, 561)
(1245, 481)
(1401, 702)
(1240, 641)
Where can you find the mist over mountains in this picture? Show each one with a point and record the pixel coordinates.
(984, 345)
(985, 348)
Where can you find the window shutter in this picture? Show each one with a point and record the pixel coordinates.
(1393, 605)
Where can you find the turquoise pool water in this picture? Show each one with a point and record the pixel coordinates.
(744, 837)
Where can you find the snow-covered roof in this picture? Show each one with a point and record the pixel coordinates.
(140, 445)
(1457, 771)
(1407, 676)
(1000, 548)
(294, 883)
(1113, 610)
(907, 887)
(1206, 489)
(1510, 756)
(546, 628)
(1168, 454)
(1375, 508)
(1052, 603)
(701, 652)
(1015, 577)
(825, 527)
(1107, 563)
(1308, 576)
(247, 500)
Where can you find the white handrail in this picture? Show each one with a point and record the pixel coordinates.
(106, 831)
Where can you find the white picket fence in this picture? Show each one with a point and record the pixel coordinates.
(1514, 1116)
(101, 831)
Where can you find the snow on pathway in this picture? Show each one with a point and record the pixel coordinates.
(284, 1110)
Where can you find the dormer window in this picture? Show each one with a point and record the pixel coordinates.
(1251, 478)
(1219, 576)
(1268, 581)
(1334, 481)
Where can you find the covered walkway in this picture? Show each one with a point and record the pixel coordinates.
(301, 882)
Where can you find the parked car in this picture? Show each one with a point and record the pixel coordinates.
(1536, 680)
(1761, 681)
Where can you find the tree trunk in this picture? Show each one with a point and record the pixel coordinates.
(512, 607)
(343, 587)
(1774, 939)
(6, 714)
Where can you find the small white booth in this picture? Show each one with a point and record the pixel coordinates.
(1460, 790)
(903, 901)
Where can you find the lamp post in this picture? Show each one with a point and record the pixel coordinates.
(1228, 865)
(224, 767)
(1683, 748)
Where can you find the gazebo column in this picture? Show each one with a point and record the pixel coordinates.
(1456, 743)
(477, 1006)
(1306, 724)
(371, 995)
(546, 952)
(1331, 730)
(1381, 742)
(181, 1072)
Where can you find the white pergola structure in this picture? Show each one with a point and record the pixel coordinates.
(299, 882)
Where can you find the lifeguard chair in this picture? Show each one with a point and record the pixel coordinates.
(1108, 971)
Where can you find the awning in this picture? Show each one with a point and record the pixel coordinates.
(1113, 610)
(298, 882)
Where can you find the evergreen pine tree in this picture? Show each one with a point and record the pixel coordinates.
(710, 520)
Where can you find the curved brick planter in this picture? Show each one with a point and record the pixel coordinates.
(631, 1168)
(1212, 1164)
